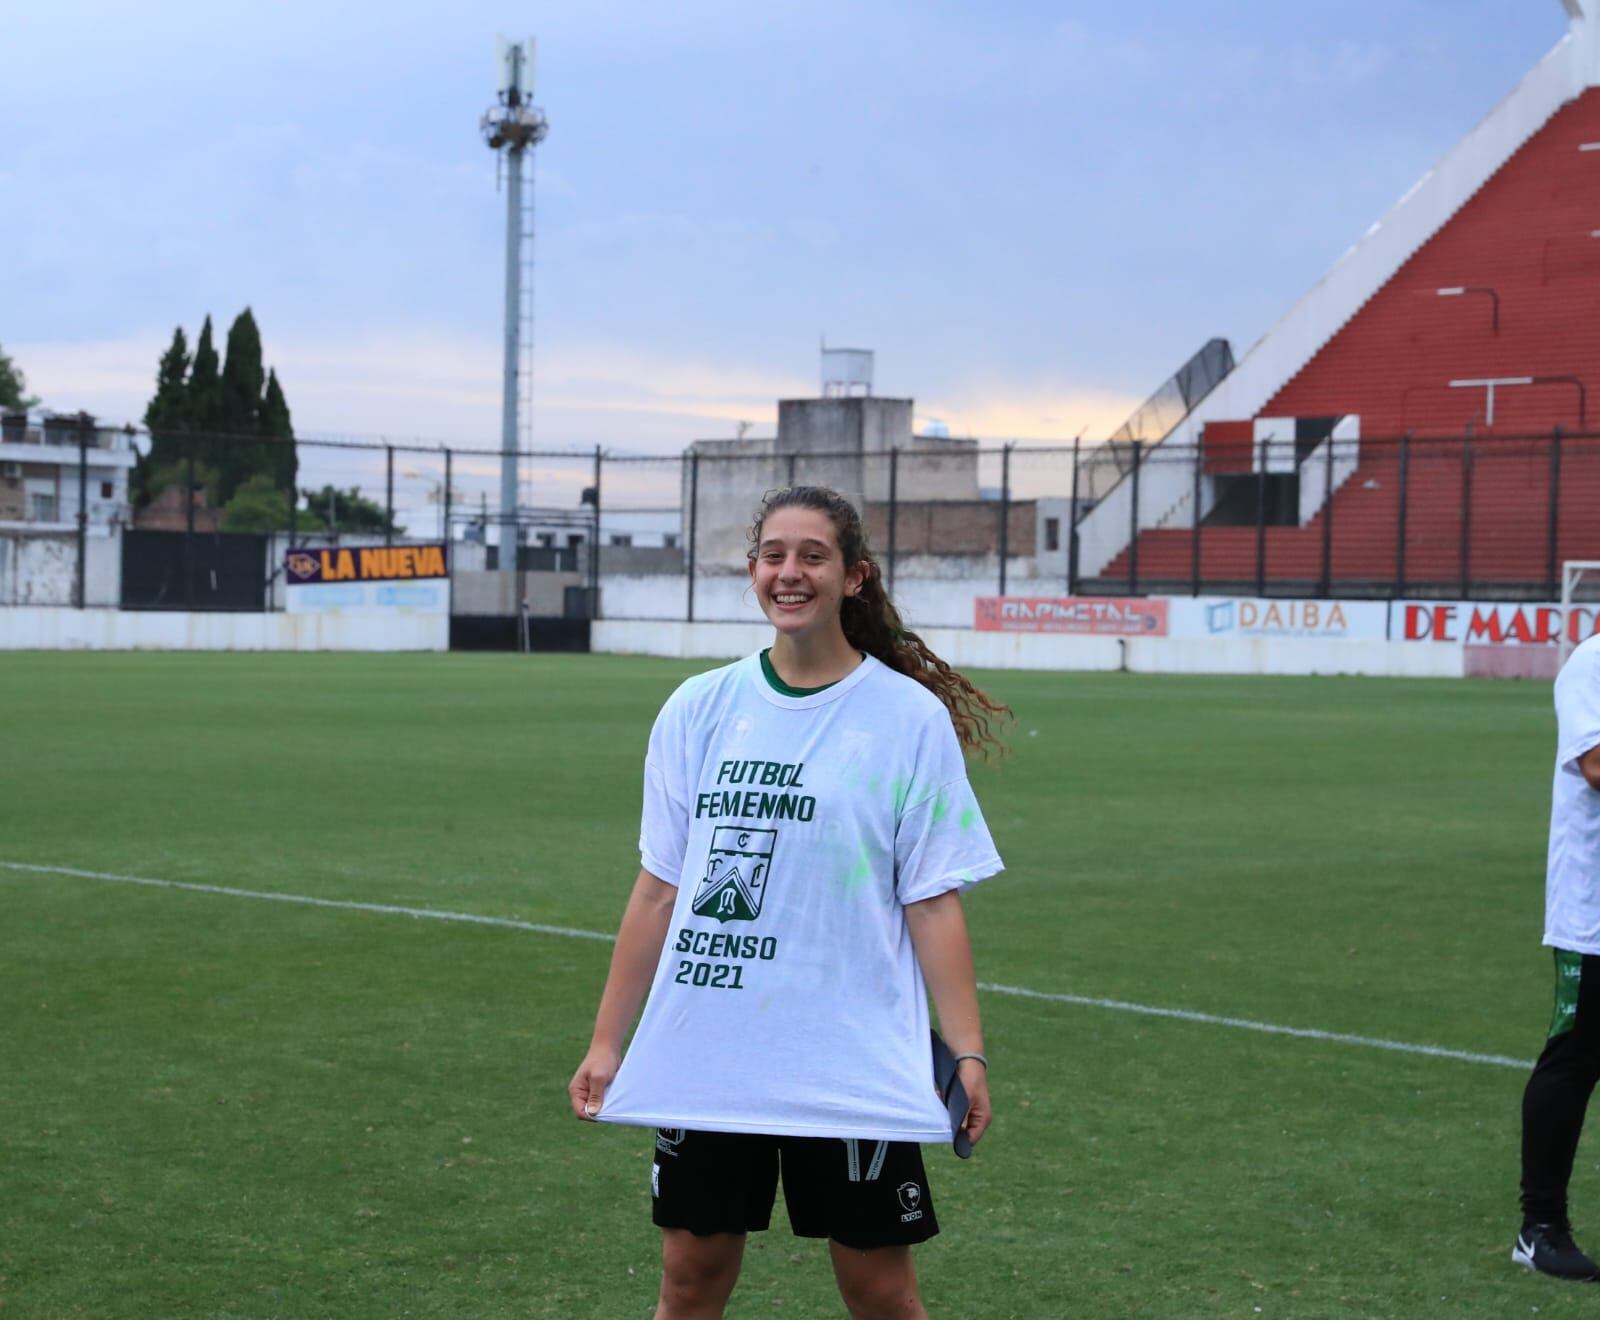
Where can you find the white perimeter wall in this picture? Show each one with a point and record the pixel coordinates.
(43, 570)
(1140, 655)
(25, 629)
(923, 602)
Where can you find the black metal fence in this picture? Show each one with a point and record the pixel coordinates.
(664, 536)
(1421, 516)
(206, 571)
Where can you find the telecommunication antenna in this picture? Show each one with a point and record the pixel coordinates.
(512, 128)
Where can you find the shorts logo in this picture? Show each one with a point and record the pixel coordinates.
(655, 1181)
(669, 1139)
(911, 1199)
(736, 874)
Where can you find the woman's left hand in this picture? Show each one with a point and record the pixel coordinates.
(975, 1078)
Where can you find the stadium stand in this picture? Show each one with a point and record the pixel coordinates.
(1457, 342)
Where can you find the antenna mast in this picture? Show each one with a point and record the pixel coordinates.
(513, 126)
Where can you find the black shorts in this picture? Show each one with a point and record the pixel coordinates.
(861, 1194)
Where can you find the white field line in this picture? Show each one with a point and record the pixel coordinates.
(389, 909)
(1015, 991)
(1270, 1028)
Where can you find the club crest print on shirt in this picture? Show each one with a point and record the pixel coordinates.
(736, 874)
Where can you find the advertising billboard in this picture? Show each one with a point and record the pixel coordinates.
(1311, 620)
(1084, 616)
(1488, 623)
(368, 577)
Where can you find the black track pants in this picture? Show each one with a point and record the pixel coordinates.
(1557, 1094)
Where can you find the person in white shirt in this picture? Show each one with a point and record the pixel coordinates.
(808, 830)
(1557, 1093)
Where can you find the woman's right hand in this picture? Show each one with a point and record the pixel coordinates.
(587, 1089)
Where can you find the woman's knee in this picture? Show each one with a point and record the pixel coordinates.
(698, 1273)
(879, 1284)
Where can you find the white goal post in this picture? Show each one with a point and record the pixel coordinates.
(1580, 585)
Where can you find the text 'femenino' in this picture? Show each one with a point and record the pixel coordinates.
(752, 802)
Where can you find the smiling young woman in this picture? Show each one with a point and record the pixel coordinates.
(808, 831)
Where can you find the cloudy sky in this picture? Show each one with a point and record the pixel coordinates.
(1033, 212)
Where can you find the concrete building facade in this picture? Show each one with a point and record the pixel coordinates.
(858, 445)
(39, 472)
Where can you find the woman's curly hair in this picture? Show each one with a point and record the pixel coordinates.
(872, 624)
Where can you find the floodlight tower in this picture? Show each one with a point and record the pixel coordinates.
(512, 127)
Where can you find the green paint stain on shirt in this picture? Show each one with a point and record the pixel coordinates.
(941, 807)
(859, 873)
(966, 819)
(900, 791)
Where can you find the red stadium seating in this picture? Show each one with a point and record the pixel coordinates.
(1526, 251)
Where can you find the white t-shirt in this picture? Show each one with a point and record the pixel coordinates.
(1572, 880)
(788, 999)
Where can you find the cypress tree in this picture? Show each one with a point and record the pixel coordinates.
(239, 399)
(224, 410)
(276, 423)
(167, 417)
(204, 391)
(169, 410)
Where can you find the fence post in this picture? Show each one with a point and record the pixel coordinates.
(1327, 521)
(594, 561)
(1466, 516)
(694, 500)
(1005, 512)
(1554, 523)
(80, 587)
(1400, 542)
(1261, 517)
(894, 509)
(1194, 525)
(1072, 527)
(388, 496)
(189, 522)
(444, 508)
(1133, 522)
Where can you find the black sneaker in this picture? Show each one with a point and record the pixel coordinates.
(1549, 1248)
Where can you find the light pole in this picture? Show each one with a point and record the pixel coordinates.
(513, 126)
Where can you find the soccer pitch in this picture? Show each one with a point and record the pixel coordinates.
(216, 1104)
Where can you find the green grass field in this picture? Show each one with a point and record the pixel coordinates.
(225, 1106)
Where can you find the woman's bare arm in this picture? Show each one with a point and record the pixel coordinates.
(633, 964)
(938, 928)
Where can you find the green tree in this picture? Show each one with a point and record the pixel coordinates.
(239, 390)
(257, 506)
(222, 410)
(168, 411)
(13, 385)
(276, 424)
(346, 511)
(204, 396)
(166, 417)
(243, 380)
